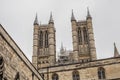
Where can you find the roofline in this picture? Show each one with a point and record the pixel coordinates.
(80, 62)
(11, 42)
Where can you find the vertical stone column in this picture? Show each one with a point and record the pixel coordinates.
(92, 48)
(35, 45)
(75, 41)
(52, 44)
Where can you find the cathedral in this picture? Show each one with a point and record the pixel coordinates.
(79, 64)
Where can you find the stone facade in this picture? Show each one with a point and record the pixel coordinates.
(14, 65)
(87, 70)
(79, 64)
(44, 44)
(83, 39)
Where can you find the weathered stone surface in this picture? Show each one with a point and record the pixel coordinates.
(44, 56)
(82, 58)
(14, 60)
(87, 71)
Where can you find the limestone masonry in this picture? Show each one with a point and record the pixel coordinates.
(80, 63)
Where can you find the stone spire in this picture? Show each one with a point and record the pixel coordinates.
(72, 17)
(62, 46)
(51, 18)
(88, 13)
(116, 53)
(62, 49)
(36, 20)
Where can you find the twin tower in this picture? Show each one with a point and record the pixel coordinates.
(44, 42)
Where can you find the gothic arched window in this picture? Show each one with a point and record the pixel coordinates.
(101, 73)
(41, 39)
(85, 34)
(1, 67)
(79, 36)
(75, 75)
(55, 76)
(46, 39)
(17, 77)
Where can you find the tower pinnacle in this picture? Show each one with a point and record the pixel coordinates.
(88, 13)
(36, 20)
(51, 18)
(72, 17)
(62, 49)
(116, 53)
(62, 46)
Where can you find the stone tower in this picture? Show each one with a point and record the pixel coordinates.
(44, 44)
(83, 39)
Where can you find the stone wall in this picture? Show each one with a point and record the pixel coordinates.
(15, 61)
(44, 54)
(87, 71)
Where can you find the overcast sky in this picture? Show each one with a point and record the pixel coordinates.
(17, 18)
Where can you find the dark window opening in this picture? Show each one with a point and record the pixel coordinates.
(55, 76)
(1, 67)
(101, 73)
(76, 75)
(79, 36)
(41, 39)
(17, 77)
(85, 35)
(46, 39)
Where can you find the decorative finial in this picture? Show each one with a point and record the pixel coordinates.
(72, 17)
(116, 53)
(36, 20)
(51, 18)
